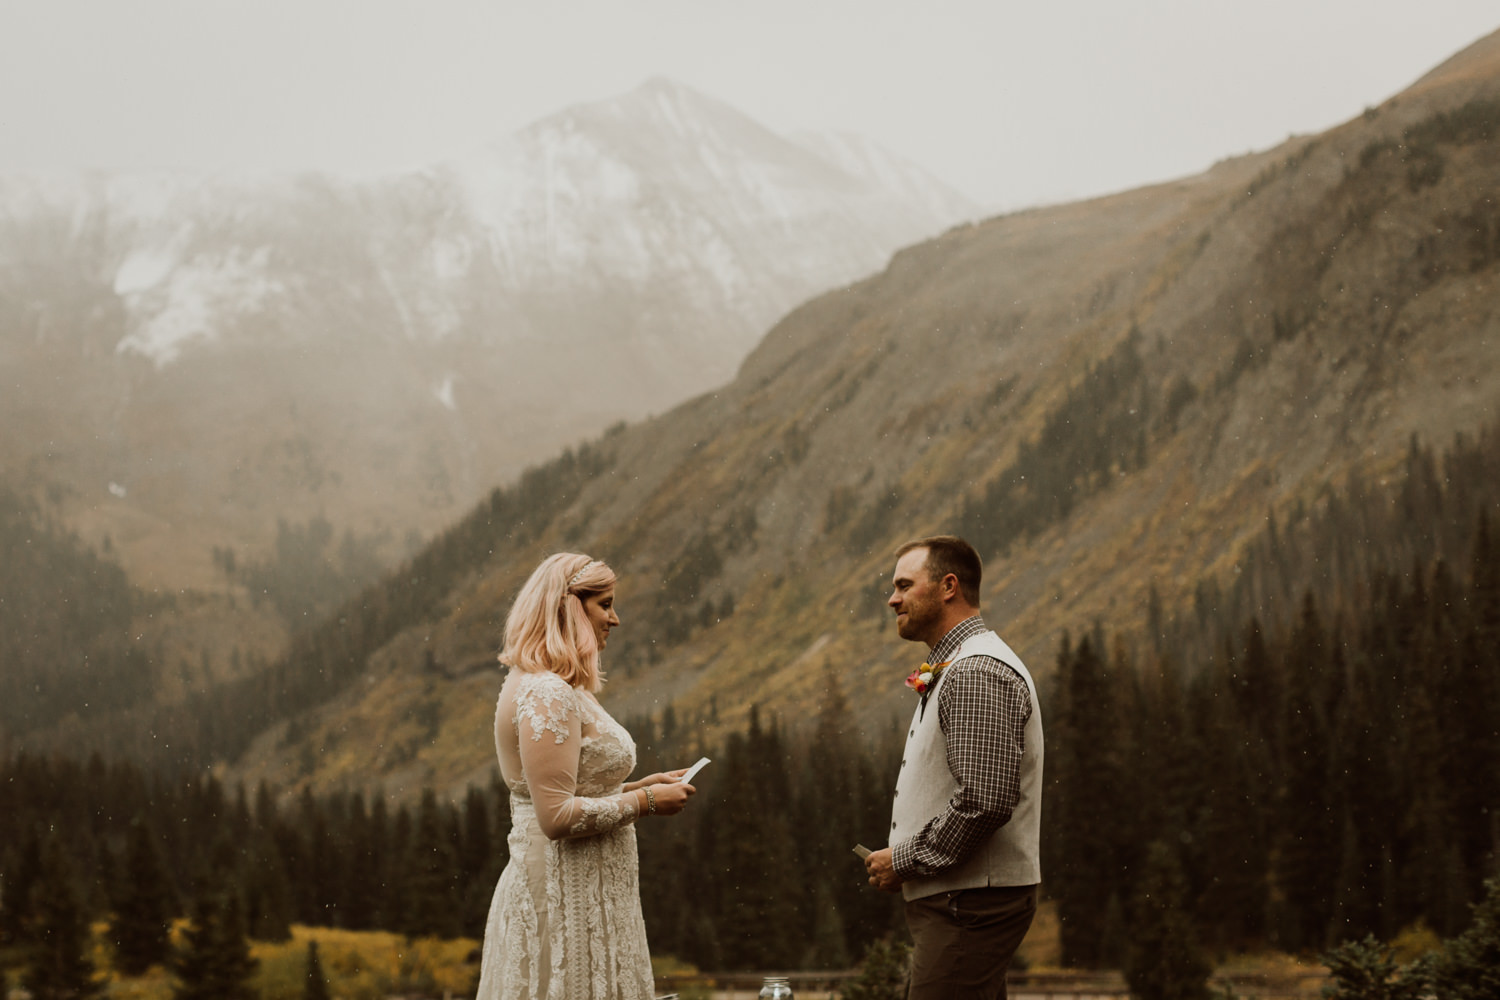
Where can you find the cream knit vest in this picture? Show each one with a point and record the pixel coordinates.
(1011, 855)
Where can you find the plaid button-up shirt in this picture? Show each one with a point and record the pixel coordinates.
(982, 709)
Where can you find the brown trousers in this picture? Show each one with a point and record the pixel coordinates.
(964, 941)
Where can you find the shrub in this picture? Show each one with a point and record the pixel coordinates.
(1366, 970)
(1465, 968)
(1468, 966)
(883, 974)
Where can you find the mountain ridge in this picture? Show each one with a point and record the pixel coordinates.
(1114, 394)
(386, 323)
(1113, 397)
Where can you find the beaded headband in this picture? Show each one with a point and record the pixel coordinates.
(579, 575)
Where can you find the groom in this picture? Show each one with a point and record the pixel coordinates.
(965, 819)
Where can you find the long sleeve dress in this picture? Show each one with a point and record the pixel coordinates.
(565, 922)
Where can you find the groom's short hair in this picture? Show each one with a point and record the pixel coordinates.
(950, 554)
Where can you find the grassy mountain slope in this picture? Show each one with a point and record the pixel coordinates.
(1112, 396)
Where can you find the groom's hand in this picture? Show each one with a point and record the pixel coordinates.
(882, 875)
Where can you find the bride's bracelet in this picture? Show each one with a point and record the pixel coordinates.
(650, 802)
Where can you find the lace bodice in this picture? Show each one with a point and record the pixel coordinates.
(560, 750)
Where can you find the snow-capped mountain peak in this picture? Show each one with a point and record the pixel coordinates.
(632, 249)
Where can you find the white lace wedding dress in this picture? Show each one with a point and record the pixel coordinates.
(565, 923)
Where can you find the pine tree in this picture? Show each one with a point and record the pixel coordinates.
(825, 948)
(1476, 741)
(57, 934)
(1093, 812)
(267, 891)
(322, 865)
(23, 867)
(107, 884)
(431, 908)
(1164, 961)
(1229, 828)
(760, 923)
(141, 926)
(366, 846)
(1360, 773)
(474, 862)
(826, 813)
(316, 987)
(396, 866)
(1308, 835)
(215, 962)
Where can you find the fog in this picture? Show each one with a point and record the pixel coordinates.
(1014, 104)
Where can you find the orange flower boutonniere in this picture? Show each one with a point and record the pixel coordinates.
(924, 677)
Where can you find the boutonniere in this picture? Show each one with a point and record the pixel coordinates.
(924, 677)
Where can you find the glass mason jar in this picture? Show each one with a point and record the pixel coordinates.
(776, 988)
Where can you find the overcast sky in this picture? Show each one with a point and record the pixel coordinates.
(1014, 104)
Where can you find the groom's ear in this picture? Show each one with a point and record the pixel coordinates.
(948, 587)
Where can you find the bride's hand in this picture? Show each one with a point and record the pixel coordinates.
(659, 778)
(671, 796)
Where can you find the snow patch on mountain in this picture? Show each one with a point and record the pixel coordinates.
(449, 258)
(661, 197)
(445, 395)
(144, 269)
(173, 306)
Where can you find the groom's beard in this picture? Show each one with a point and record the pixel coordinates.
(919, 620)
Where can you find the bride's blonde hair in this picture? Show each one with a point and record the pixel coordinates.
(548, 628)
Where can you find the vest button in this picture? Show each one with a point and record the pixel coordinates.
(893, 826)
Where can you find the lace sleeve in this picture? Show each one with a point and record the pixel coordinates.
(550, 725)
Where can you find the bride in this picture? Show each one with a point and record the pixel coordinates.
(565, 923)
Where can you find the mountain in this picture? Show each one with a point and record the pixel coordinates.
(191, 360)
(1114, 398)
